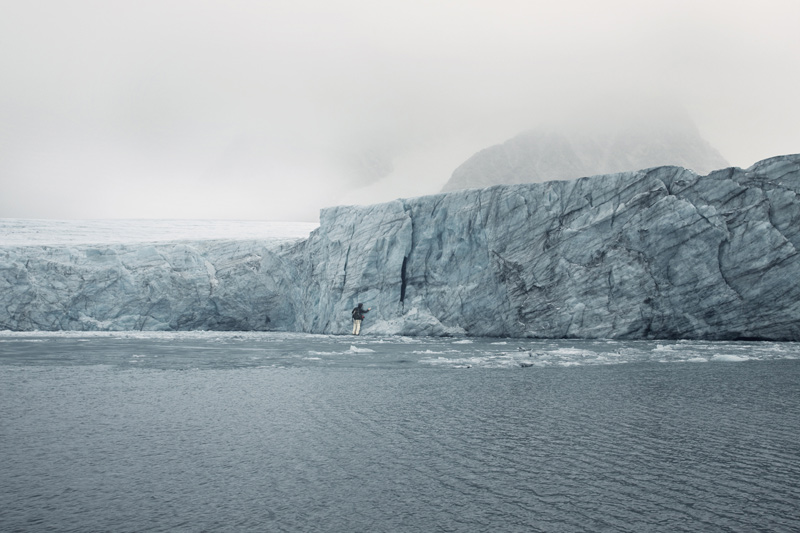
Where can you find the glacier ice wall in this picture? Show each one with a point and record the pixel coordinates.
(216, 285)
(658, 253)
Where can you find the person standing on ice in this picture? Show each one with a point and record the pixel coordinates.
(358, 316)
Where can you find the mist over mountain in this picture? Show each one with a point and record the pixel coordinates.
(578, 149)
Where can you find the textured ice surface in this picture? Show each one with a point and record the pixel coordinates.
(145, 275)
(658, 253)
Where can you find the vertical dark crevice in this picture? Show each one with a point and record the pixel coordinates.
(403, 279)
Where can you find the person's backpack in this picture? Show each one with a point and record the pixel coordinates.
(356, 314)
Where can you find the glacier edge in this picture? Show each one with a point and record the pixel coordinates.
(656, 253)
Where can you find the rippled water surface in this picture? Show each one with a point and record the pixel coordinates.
(291, 432)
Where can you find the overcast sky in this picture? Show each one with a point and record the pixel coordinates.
(272, 109)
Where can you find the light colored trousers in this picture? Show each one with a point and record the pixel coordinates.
(356, 327)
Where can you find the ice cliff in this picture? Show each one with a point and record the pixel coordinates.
(215, 285)
(656, 253)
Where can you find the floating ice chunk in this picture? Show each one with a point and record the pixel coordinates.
(664, 348)
(356, 349)
(729, 358)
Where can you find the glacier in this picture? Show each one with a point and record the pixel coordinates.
(660, 253)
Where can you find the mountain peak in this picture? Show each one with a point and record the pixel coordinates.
(574, 149)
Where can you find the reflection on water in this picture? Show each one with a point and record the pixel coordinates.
(290, 432)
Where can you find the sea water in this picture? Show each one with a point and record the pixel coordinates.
(290, 432)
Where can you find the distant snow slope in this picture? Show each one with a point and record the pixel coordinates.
(570, 151)
(26, 232)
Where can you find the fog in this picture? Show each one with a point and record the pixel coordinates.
(271, 110)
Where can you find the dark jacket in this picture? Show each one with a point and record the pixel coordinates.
(358, 312)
